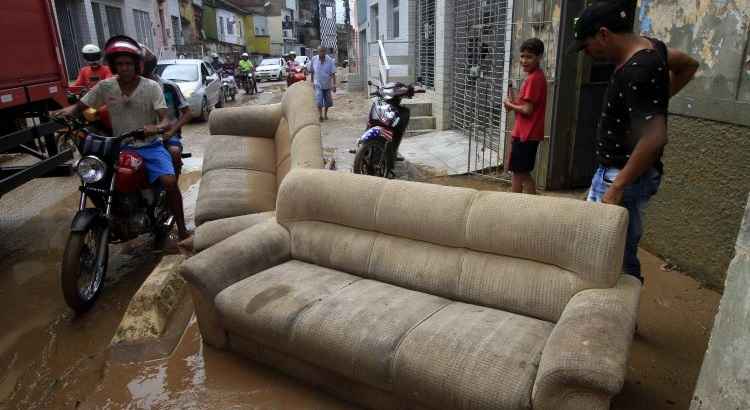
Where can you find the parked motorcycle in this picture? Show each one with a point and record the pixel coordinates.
(117, 204)
(377, 148)
(228, 85)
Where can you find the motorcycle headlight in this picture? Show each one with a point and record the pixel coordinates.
(90, 169)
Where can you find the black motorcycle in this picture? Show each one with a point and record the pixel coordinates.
(377, 148)
(247, 79)
(117, 204)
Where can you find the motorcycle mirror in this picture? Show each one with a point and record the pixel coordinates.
(369, 83)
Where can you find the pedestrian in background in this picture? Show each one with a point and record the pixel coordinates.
(632, 131)
(323, 76)
(530, 106)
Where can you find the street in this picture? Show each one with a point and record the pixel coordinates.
(49, 359)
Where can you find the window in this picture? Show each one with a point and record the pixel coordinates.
(329, 13)
(143, 28)
(177, 31)
(394, 18)
(221, 27)
(261, 25)
(98, 24)
(230, 27)
(375, 31)
(204, 72)
(114, 21)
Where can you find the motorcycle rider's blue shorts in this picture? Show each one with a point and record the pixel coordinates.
(175, 140)
(157, 159)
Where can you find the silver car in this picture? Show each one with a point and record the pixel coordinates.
(197, 81)
(273, 68)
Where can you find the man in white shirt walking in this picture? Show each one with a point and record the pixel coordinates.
(323, 76)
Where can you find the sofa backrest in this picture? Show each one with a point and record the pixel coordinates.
(520, 253)
(297, 138)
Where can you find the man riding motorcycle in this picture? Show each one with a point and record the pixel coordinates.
(135, 102)
(216, 63)
(246, 69)
(94, 71)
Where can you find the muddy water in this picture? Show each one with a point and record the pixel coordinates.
(196, 376)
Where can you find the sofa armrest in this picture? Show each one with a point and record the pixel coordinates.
(246, 121)
(210, 233)
(584, 362)
(240, 256)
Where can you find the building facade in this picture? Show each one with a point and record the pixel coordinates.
(150, 22)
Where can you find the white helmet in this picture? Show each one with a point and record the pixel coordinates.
(214, 55)
(91, 53)
(245, 55)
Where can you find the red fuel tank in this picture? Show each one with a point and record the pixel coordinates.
(131, 173)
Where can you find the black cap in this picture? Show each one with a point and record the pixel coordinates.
(610, 14)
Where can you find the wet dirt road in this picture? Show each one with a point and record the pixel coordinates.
(50, 360)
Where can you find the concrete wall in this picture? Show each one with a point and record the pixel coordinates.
(693, 219)
(724, 381)
(397, 49)
(276, 34)
(444, 40)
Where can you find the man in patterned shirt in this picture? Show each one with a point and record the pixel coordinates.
(632, 131)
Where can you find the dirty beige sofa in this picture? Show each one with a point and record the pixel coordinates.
(250, 150)
(396, 294)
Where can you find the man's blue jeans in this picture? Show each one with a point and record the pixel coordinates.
(635, 198)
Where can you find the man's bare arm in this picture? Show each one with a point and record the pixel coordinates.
(682, 69)
(159, 127)
(185, 116)
(69, 111)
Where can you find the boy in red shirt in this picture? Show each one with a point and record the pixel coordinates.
(530, 106)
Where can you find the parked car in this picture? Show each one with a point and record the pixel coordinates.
(199, 83)
(272, 68)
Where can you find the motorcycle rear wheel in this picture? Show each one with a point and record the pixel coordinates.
(370, 159)
(84, 267)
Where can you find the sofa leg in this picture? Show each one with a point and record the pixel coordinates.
(208, 321)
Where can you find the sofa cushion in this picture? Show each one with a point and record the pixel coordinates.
(225, 193)
(582, 237)
(232, 152)
(338, 321)
(470, 357)
(512, 284)
(441, 353)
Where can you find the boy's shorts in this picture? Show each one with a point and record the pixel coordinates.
(522, 156)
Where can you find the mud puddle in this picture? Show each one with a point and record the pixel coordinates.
(196, 376)
(48, 357)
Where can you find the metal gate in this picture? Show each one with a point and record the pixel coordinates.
(68, 24)
(426, 42)
(481, 73)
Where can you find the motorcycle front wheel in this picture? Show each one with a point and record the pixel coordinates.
(370, 159)
(84, 267)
